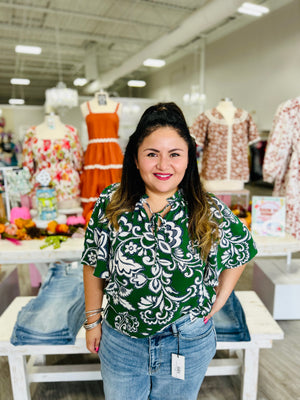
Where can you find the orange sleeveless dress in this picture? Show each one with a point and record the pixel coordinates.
(103, 158)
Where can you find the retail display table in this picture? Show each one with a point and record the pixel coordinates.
(29, 251)
(242, 360)
(277, 246)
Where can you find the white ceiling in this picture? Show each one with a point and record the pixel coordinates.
(103, 39)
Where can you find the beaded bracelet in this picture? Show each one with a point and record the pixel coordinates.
(88, 327)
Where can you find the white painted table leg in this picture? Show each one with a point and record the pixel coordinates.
(250, 375)
(19, 381)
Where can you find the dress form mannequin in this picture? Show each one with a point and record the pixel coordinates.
(101, 103)
(52, 128)
(228, 110)
(55, 138)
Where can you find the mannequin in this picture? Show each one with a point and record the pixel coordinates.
(101, 103)
(227, 109)
(103, 157)
(54, 147)
(224, 133)
(52, 128)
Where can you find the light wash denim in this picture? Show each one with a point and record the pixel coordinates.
(230, 322)
(57, 313)
(140, 369)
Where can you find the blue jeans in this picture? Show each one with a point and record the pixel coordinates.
(57, 313)
(230, 322)
(140, 369)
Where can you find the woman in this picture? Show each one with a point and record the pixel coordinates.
(168, 255)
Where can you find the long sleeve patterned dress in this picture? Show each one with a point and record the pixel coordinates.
(61, 158)
(282, 161)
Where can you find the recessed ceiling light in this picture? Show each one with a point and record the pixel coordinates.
(28, 49)
(79, 82)
(19, 81)
(253, 9)
(16, 101)
(136, 83)
(154, 62)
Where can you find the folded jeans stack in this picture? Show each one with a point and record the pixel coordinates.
(230, 322)
(56, 314)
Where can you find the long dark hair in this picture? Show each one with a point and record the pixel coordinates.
(132, 187)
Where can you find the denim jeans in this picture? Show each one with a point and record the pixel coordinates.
(57, 313)
(230, 322)
(140, 369)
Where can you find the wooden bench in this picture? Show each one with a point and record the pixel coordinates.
(27, 363)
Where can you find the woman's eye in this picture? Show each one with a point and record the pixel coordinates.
(174, 155)
(151, 155)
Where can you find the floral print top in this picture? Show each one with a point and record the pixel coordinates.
(155, 274)
(225, 146)
(62, 158)
(281, 163)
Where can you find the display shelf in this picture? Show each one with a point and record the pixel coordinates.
(278, 287)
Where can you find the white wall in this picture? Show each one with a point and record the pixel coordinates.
(257, 66)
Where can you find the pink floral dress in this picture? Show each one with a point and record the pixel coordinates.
(61, 158)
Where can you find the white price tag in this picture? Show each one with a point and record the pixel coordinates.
(178, 366)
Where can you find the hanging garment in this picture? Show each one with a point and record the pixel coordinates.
(282, 161)
(103, 157)
(225, 146)
(61, 158)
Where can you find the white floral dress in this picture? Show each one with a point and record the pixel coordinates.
(282, 161)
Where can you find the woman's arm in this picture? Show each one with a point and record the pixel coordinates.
(93, 293)
(227, 281)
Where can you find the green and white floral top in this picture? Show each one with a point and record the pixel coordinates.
(155, 275)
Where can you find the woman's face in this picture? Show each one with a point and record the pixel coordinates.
(162, 160)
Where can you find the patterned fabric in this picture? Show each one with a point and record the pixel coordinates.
(155, 274)
(61, 158)
(225, 146)
(103, 158)
(282, 161)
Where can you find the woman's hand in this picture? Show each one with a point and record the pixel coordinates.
(93, 338)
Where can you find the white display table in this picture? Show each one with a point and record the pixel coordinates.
(29, 251)
(277, 246)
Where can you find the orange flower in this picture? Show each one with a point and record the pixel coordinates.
(62, 228)
(51, 227)
(2, 228)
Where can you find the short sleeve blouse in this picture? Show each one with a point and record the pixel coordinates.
(155, 274)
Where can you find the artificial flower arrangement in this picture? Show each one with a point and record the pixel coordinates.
(54, 233)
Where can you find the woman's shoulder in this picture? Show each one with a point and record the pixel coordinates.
(107, 194)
